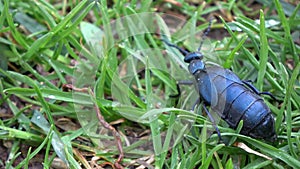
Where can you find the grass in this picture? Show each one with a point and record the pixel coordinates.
(114, 50)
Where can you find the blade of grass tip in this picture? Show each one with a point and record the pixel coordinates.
(252, 59)
(44, 104)
(203, 144)
(174, 157)
(294, 14)
(62, 66)
(37, 150)
(189, 31)
(218, 160)
(108, 66)
(287, 30)
(149, 94)
(134, 148)
(56, 141)
(15, 133)
(120, 85)
(226, 159)
(48, 148)
(157, 112)
(75, 97)
(246, 27)
(8, 165)
(287, 99)
(158, 54)
(229, 163)
(2, 17)
(141, 43)
(258, 163)
(109, 40)
(230, 58)
(72, 161)
(154, 126)
(193, 21)
(76, 20)
(38, 44)
(101, 81)
(263, 53)
(41, 78)
(22, 119)
(68, 144)
(238, 129)
(250, 24)
(58, 50)
(284, 75)
(165, 78)
(272, 151)
(181, 134)
(62, 24)
(13, 154)
(17, 36)
(194, 155)
(168, 138)
(74, 43)
(74, 134)
(47, 17)
(17, 116)
(83, 161)
(93, 36)
(50, 161)
(210, 156)
(49, 7)
(7, 77)
(132, 64)
(27, 158)
(230, 6)
(57, 70)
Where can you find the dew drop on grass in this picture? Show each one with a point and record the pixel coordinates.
(51, 97)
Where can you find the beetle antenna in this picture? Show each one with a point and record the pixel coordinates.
(205, 33)
(174, 46)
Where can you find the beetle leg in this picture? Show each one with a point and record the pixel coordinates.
(213, 122)
(269, 94)
(182, 82)
(176, 96)
(185, 82)
(255, 90)
(250, 85)
(195, 104)
(178, 92)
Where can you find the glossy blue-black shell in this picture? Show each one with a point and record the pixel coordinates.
(233, 101)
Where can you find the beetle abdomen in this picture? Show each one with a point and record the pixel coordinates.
(227, 95)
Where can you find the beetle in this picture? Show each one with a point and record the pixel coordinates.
(233, 99)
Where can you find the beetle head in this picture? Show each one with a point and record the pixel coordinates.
(193, 56)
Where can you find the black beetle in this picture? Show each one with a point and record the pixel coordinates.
(233, 99)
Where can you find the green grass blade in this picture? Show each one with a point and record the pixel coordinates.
(230, 58)
(287, 31)
(287, 104)
(57, 144)
(263, 57)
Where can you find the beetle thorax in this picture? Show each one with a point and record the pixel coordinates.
(196, 65)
